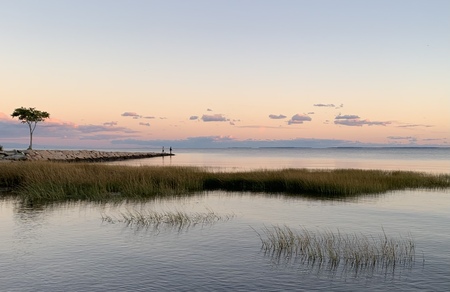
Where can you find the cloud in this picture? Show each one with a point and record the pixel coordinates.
(299, 119)
(360, 123)
(310, 113)
(148, 117)
(209, 110)
(346, 117)
(3, 116)
(277, 117)
(229, 141)
(144, 124)
(441, 141)
(193, 118)
(264, 127)
(401, 138)
(324, 105)
(54, 128)
(102, 137)
(355, 121)
(130, 114)
(96, 128)
(214, 118)
(409, 139)
(415, 125)
(190, 142)
(13, 128)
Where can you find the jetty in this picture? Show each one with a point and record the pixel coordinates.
(76, 155)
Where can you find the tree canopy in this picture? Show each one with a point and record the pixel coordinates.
(30, 116)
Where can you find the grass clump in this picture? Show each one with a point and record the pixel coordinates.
(178, 219)
(89, 181)
(331, 249)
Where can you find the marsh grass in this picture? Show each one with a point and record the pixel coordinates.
(60, 181)
(169, 219)
(330, 250)
(90, 181)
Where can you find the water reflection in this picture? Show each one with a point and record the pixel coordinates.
(66, 247)
(29, 221)
(155, 221)
(328, 251)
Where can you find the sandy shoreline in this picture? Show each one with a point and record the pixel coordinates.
(78, 155)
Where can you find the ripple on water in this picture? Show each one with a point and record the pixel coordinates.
(69, 248)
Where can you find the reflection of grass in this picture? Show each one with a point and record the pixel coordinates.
(178, 219)
(61, 181)
(331, 249)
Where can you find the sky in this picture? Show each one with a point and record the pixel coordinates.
(235, 73)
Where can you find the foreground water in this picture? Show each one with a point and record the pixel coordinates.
(68, 247)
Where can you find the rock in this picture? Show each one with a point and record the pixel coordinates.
(18, 156)
(12, 155)
(74, 155)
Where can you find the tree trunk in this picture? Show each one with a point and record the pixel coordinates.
(31, 137)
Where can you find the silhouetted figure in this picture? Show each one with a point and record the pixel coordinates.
(170, 150)
(163, 149)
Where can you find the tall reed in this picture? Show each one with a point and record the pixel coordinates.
(174, 219)
(354, 251)
(80, 181)
(337, 182)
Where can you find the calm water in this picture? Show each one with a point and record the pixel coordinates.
(417, 159)
(67, 247)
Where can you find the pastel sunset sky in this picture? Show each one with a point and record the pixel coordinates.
(303, 73)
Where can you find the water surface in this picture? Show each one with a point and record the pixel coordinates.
(67, 247)
(436, 160)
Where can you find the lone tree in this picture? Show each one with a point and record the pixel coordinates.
(31, 116)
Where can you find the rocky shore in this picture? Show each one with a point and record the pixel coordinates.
(75, 155)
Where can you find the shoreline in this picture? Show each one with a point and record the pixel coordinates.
(77, 155)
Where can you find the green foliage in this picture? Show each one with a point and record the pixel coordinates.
(27, 115)
(30, 116)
